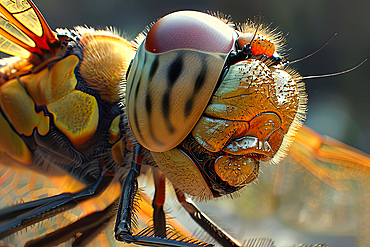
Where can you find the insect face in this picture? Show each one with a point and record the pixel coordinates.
(207, 130)
(251, 117)
(173, 77)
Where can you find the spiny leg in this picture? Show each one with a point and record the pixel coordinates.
(89, 227)
(159, 218)
(206, 223)
(125, 215)
(19, 209)
(26, 214)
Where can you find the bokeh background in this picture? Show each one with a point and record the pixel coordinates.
(338, 106)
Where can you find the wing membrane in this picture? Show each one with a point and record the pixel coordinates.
(23, 30)
(333, 186)
(18, 185)
(333, 162)
(319, 193)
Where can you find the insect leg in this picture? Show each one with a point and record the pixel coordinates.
(32, 212)
(125, 215)
(206, 223)
(125, 212)
(159, 218)
(90, 226)
(16, 210)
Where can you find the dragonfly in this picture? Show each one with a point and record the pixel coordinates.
(52, 56)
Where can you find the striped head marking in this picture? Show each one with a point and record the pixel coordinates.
(211, 100)
(173, 76)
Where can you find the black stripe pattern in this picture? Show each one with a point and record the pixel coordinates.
(167, 94)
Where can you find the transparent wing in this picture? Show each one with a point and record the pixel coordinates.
(23, 30)
(19, 185)
(319, 193)
(334, 186)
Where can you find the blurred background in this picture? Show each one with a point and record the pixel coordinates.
(338, 106)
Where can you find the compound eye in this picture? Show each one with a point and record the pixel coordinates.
(190, 30)
(173, 76)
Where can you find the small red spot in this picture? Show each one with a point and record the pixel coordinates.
(259, 46)
(262, 47)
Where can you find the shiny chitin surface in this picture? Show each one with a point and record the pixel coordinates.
(208, 114)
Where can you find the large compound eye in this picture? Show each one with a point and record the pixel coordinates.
(173, 76)
(190, 30)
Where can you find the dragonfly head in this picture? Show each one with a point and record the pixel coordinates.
(210, 100)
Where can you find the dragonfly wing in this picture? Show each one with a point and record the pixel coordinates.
(18, 185)
(319, 193)
(333, 185)
(24, 32)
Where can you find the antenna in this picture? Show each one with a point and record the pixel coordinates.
(247, 48)
(259, 21)
(334, 74)
(309, 55)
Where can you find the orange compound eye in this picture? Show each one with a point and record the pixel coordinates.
(258, 46)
